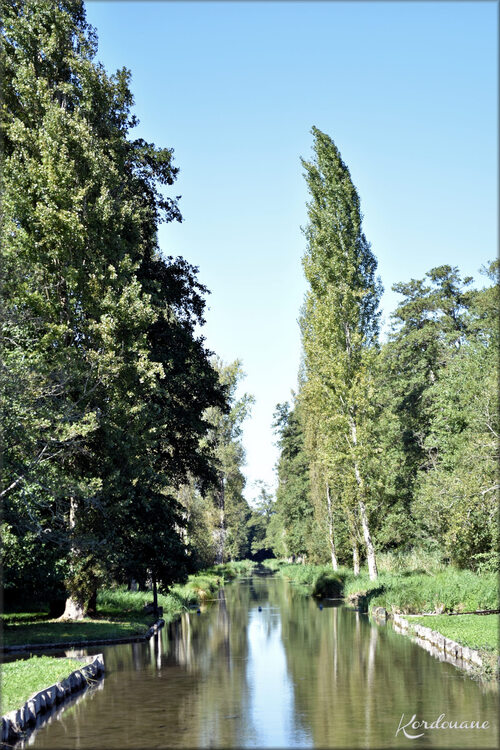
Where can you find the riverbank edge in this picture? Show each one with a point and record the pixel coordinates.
(17, 723)
(454, 651)
(437, 639)
(155, 627)
(489, 668)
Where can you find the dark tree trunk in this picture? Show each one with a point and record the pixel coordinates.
(92, 605)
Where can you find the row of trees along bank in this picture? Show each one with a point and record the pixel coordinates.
(121, 433)
(389, 445)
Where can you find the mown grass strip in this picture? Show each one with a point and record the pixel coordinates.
(53, 631)
(479, 632)
(20, 679)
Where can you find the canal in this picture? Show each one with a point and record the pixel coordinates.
(264, 666)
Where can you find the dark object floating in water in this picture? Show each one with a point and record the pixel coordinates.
(260, 609)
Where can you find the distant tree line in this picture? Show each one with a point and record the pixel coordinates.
(121, 432)
(393, 444)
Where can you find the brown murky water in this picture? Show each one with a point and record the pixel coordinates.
(290, 675)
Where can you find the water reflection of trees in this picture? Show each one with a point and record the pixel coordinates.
(188, 687)
(353, 680)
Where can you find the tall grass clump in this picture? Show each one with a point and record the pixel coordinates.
(232, 569)
(417, 560)
(328, 584)
(199, 587)
(118, 601)
(274, 564)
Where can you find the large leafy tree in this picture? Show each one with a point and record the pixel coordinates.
(438, 421)
(340, 320)
(456, 494)
(104, 381)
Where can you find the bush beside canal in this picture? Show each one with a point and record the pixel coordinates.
(20, 679)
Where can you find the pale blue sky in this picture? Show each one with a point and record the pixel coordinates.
(407, 90)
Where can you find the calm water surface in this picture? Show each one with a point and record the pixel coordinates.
(291, 675)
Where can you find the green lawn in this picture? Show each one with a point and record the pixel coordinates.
(20, 679)
(120, 613)
(475, 631)
(52, 631)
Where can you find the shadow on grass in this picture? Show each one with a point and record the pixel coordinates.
(61, 632)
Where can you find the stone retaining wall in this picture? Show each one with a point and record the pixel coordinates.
(16, 723)
(446, 645)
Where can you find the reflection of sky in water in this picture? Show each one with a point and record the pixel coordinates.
(271, 710)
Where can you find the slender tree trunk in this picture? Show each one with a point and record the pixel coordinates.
(155, 597)
(335, 564)
(370, 549)
(222, 525)
(75, 608)
(355, 557)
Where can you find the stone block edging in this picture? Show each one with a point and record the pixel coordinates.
(444, 644)
(16, 723)
(97, 642)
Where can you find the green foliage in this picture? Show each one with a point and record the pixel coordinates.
(339, 325)
(203, 586)
(261, 531)
(105, 381)
(21, 679)
(319, 579)
(438, 391)
(393, 447)
(229, 511)
(406, 591)
(274, 564)
(290, 533)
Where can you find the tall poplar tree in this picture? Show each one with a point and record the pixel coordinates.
(340, 319)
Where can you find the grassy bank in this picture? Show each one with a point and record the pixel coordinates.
(410, 591)
(20, 679)
(475, 631)
(120, 613)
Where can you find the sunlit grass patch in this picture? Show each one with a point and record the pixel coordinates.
(20, 679)
(475, 631)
